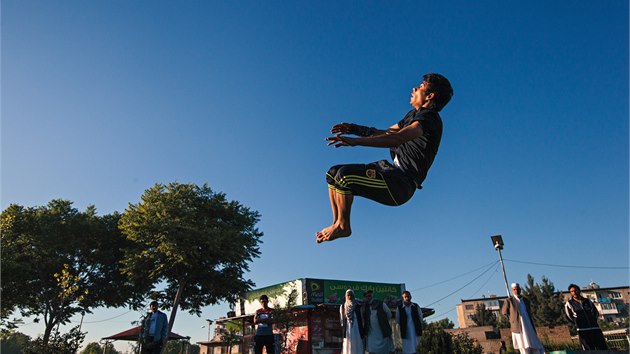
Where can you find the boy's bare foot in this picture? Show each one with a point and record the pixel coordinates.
(331, 233)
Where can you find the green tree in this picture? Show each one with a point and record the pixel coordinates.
(57, 343)
(175, 347)
(14, 342)
(435, 340)
(96, 348)
(463, 344)
(546, 303)
(190, 242)
(57, 261)
(231, 337)
(483, 316)
(285, 319)
(444, 323)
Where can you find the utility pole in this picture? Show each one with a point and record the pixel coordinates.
(497, 242)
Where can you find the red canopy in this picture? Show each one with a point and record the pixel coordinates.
(134, 333)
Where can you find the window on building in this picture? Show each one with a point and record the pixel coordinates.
(615, 295)
(469, 307)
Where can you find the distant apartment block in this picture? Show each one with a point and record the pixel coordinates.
(612, 304)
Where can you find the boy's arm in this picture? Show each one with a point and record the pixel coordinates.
(393, 137)
(360, 130)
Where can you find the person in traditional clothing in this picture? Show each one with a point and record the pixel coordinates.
(583, 314)
(351, 325)
(378, 331)
(524, 337)
(409, 318)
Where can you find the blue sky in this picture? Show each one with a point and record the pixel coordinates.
(103, 99)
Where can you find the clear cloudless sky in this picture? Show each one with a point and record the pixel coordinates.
(103, 99)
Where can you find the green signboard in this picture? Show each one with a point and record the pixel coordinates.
(321, 291)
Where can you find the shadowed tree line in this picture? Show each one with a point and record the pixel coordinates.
(181, 244)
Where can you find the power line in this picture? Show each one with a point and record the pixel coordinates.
(105, 320)
(487, 280)
(455, 277)
(564, 266)
(465, 285)
(482, 285)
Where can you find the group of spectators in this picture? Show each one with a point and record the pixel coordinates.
(366, 328)
(366, 324)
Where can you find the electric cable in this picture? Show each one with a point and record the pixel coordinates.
(455, 277)
(564, 266)
(465, 285)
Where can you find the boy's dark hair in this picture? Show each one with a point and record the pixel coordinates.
(441, 87)
(406, 292)
(573, 286)
(153, 303)
(264, 297)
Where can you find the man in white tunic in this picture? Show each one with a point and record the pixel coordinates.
(409, 318)
(524, 337)
(351, 325)
(378, 331)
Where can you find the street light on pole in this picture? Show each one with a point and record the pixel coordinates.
(497, 242)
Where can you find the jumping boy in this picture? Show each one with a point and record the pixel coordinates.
(413, 143)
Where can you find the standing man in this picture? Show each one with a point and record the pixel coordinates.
(583, 314)
(413, 143)
(351, 325)
(264, 330)
(154, 330)
(524, 337)
(409, 318)
(378, 331)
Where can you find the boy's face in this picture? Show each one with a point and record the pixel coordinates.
(153, 307)
(264, 302)
(419, 95)
(406, 298)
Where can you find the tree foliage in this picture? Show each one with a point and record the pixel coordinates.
(483, 316)
(179, 346)
(57, 261)
(57, 343)
(435, 340)
(546, 305)
(14, 342)
(192, 243)
(463, 344)
(96, 348)
(285, 319)
(444, 323)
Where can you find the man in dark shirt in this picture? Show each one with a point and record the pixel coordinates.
(583, 314)
(413, 144)
(264, 328)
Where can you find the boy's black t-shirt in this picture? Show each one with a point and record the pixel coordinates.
(416, 156)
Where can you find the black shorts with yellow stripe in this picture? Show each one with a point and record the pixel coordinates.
(379, 181)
